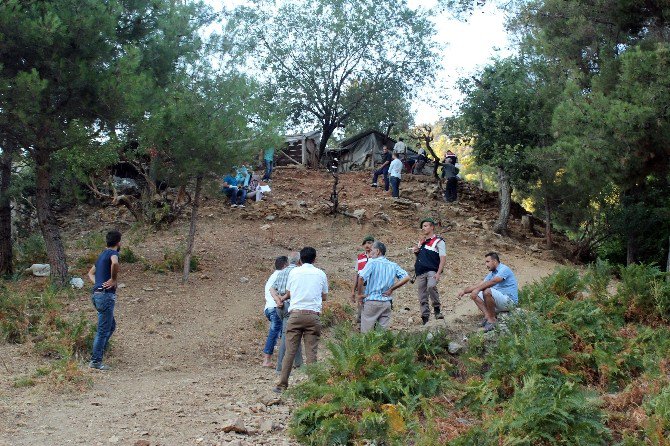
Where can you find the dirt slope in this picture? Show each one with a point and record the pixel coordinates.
(186, 358)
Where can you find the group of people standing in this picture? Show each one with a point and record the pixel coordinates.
(392, 167)
(296, 290)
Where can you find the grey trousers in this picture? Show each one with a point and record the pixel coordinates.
(427, 287)
(375, 312)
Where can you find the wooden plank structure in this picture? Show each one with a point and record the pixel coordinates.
(302, 148)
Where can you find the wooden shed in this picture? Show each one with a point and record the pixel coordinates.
(302, 148)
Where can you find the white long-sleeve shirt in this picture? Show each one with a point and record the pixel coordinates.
(395, 168)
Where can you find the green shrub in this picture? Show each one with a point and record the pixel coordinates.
(549, 411)
(127, 255)
(644, 293)
(30, 250)
(173, 260)
(369, 387)
(658, 410)
(598, 277)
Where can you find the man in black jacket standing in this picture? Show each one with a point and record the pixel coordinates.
(431, 255)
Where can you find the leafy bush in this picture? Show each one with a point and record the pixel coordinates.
(549, 411)
(39, 318)
(644, 293)
(127, 255)
(370, 387)
(173, 260)
(30, 250)
(598, 277)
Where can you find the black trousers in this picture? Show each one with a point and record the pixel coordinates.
(451, 192)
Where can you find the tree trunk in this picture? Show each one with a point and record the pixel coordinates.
(505, 193)
(5, 213)
(327, 132)
(481, 179)
(47, 220)
(191, 231)
(667, 264)
(547, 217)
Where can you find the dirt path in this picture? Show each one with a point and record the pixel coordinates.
(186, 359)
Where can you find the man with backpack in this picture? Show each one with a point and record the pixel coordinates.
(431, 255)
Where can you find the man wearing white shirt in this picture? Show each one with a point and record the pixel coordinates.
(307, 288)
(395, 170)
(400, 146)
(271, 312)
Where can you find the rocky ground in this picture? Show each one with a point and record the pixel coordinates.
(186, 358)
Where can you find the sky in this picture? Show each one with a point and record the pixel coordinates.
(465, 48)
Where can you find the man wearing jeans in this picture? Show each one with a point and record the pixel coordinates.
(379, 277)
(383, 169)
(395, 170)
(271, 312)
(497, 293)
(278, 291)
(307, 288)
(431, 254)
(104, 276)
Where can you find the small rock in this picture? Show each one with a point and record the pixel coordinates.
(534, 248)
(114, 439)
(410, 321)
(244, 279)
(265, 227)
(270, 217)
(148, 288)
(142, 443)
(236, 425)
(121, 285)
(302, 203)
(454, 348)
(429, 336)
(359, 213)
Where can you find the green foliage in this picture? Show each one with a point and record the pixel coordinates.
(371, 387)
(173, 260)
(598, 277)
(549, 411)
(30, 250)
(127, 255)
(643, 293)
(338, 79)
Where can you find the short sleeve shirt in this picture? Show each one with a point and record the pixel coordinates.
(508, 285)
(269, 300)
(306, 284)
(380, 275)
(387, 157)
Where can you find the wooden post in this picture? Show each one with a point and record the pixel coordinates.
(304, 151)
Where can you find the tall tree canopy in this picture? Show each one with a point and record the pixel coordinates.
(331, 60)
(63, 69)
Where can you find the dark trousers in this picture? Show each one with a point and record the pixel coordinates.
(238, 196)
(451, 192)
(395, 186)
(383, 171)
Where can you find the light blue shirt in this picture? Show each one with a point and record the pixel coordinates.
(269, 154)
(508, 286)
(380, 274)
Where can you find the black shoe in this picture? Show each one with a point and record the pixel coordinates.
(424, 320)
(439, 315)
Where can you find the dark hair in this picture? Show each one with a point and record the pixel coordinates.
(281, 262)
(385, 147)
(307, 254)
(400, 139)
(113, 238)
(493, 255)
(380, 246)
(395, 154)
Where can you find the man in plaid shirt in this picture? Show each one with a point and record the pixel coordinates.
(278, 291)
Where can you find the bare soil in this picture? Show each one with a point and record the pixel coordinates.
(186, 358)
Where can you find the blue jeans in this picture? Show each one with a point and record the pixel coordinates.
(238, 196)
(268, 169)
(104, 303)
(395, 186)
(383, 171)
(275, 330)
